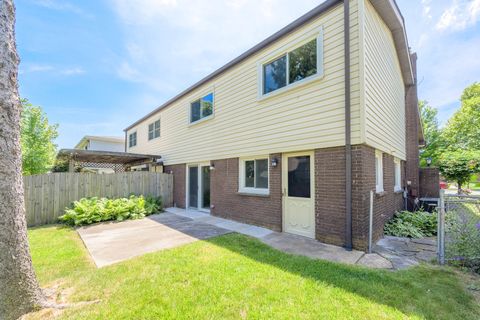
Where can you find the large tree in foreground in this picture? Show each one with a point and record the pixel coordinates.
(434, 142)
(19, 290)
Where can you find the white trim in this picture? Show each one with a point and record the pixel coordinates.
(202, 119)
(199, 206)
(283, 51)
(378, 171)
(241, 176)
(397, 175)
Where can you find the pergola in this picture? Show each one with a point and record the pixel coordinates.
(118, 161)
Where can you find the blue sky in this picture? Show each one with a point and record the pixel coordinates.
(95, 66)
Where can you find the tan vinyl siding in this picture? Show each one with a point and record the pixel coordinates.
(384, 88)
(306, 117)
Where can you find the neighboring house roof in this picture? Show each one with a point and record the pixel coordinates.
(100, 138)
(387, 9)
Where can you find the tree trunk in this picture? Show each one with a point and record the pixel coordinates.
(19, 290)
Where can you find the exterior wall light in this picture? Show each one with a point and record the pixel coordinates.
(274, 162)
(212, 166)
(429, 161)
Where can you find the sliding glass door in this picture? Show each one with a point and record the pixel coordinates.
(198, 179)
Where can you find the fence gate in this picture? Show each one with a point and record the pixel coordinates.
(459, 229)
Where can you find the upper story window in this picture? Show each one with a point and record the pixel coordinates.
(293, 66)
(378, 171)
(398, 175)
(154, 130)
(132, 139)
(254, 175)
(201, 108)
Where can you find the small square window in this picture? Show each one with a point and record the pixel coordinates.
(154, 130)
(254, 176)
(132, 139)
(201, 108)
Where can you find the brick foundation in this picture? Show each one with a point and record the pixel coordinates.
(265, 211)
(179, 172)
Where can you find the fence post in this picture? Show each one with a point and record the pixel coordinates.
(370, 223)
(441, 229)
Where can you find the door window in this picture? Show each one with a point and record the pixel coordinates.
(299, 177)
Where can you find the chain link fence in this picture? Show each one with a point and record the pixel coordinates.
(459, 230)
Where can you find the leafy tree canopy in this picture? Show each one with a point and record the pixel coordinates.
(459, 165)
(434, 140)
(37, 140)
(463, 128)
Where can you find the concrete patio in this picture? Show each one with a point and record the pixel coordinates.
(113, 242)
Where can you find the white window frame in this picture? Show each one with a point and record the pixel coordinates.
(316, 33)
(136, 139)
(378, 171)
(159, 129)
(241, 178)
(397, 175)
(190, 122)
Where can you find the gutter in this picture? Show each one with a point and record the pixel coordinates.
(348, 129)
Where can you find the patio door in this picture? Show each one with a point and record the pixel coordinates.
(298, 194)
(198, 186)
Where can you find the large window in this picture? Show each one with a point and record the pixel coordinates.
(293, 66)
(154, 130)
(254, 175)
(379, 171)
(132, 139)
(398, 176)
(201, 108)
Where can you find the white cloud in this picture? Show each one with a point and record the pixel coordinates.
(170, 44)
(35, 68)
(459, 15)
(72, 71)
(60, 5)
(38, 68)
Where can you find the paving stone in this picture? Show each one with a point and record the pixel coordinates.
(427, 241)
(375, 261)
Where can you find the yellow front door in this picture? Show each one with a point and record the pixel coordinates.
(299, 193)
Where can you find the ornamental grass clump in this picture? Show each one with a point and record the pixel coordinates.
(92, 210)
(417, 224)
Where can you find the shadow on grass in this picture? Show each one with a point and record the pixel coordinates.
(427, 292)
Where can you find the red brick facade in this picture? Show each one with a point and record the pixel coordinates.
(266, 211)
(179, 175)
(228, 203)
(429, 183)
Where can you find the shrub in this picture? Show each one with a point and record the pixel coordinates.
(462, 237)
(91, 210)
(418, 224)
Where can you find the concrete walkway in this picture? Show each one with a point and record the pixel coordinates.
(113, 242)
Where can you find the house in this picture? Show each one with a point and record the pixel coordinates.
(100, 143)
(293, 134)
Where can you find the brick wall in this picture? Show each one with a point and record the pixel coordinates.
(385, 204)
(412, 123)
(429, 182)
(330, 195)
(263, 211)
(178, 171)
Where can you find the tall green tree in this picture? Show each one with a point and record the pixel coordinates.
(37, 140)
(434, 141)
(459, 166)
(463, 128)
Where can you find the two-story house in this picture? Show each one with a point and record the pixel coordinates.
(294, 133)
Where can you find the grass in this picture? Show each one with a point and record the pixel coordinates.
(237, 277)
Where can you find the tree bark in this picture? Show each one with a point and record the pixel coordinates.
(19, 289)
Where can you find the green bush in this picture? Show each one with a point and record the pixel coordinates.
(91, 210)
(418, 224)
(462, 236)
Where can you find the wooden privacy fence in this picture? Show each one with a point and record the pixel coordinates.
(47, 195)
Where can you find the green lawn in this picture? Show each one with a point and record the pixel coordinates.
(237, 277)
